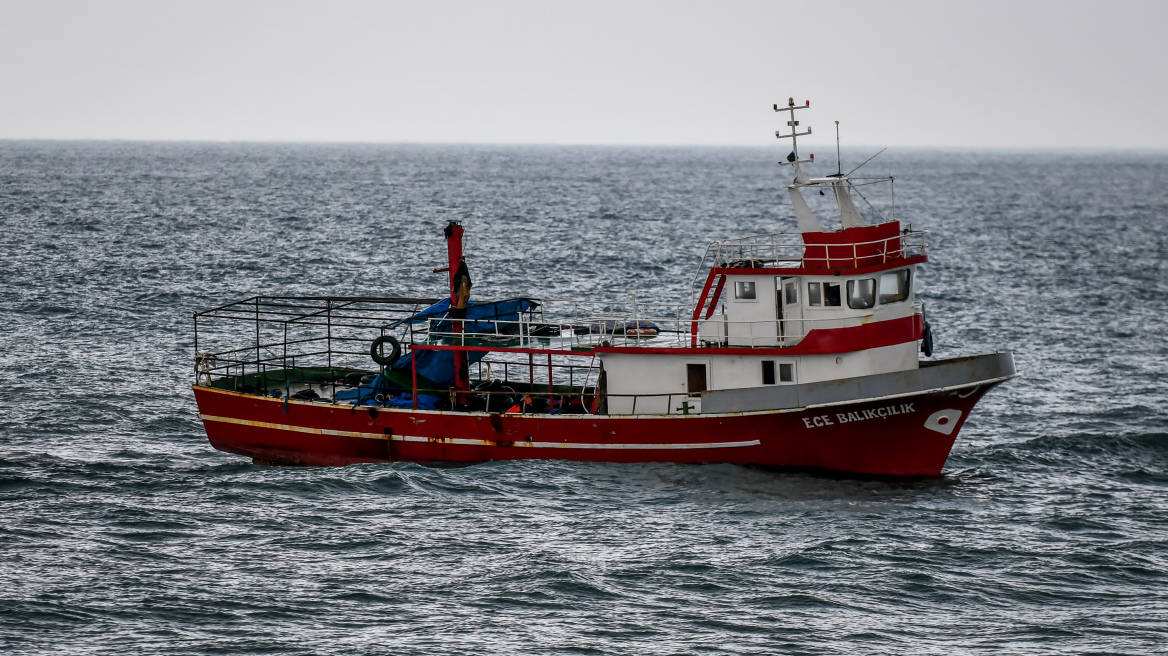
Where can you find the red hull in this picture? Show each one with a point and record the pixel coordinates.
(906, 436)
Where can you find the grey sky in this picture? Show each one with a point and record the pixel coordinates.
(979, 74)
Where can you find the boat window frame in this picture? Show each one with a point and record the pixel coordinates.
(790, 368)
(853, 284)
(907, 286)
(814, 298)
(753, 288)
(823, 286)
(778, 369)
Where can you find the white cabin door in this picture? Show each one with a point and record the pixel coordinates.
(790, 311)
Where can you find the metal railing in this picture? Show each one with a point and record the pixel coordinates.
(279, 346)
(615, 408)
(789, 250)
(335, 332)
(566, 324)
(265, 333)
(635, 330)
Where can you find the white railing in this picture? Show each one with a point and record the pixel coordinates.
(634, 325)
(547, 330)
(782, 249)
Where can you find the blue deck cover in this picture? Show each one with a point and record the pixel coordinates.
(438, 366)
(478, 313)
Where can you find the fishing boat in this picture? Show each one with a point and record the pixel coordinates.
(795, 349)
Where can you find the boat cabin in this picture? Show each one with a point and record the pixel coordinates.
(773, 319)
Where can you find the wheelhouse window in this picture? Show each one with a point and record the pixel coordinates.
(831, 294)
(745, 290)
(861, 293)
(826, 294)
(894, 286)
(814, 294)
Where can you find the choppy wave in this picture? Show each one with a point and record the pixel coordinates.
(124, 532)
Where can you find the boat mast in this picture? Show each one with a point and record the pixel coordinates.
(793, 158)
(803, 216)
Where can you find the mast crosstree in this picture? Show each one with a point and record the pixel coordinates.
(793, 158)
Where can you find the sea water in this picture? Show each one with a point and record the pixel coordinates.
(123, 531)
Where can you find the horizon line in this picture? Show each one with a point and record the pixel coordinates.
(552, 144)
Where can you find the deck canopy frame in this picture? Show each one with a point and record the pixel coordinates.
(262, 333)
(264, 342)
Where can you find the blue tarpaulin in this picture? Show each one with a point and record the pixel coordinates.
(477, 313)
(379, 385)
(425, 402)
(438, 366)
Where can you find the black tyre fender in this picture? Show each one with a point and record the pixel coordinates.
(375, 350)
(927, 341)
(500, 402)
(488, 385)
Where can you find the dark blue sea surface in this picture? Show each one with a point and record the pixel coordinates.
(123, 531)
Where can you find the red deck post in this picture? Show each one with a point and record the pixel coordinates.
(457, 314)
(414, 376)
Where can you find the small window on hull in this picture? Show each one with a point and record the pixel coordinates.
(744, 289)
(787, 373)
(695, 379)
(768, 372)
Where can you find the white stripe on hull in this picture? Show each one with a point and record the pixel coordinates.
(472, 442)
